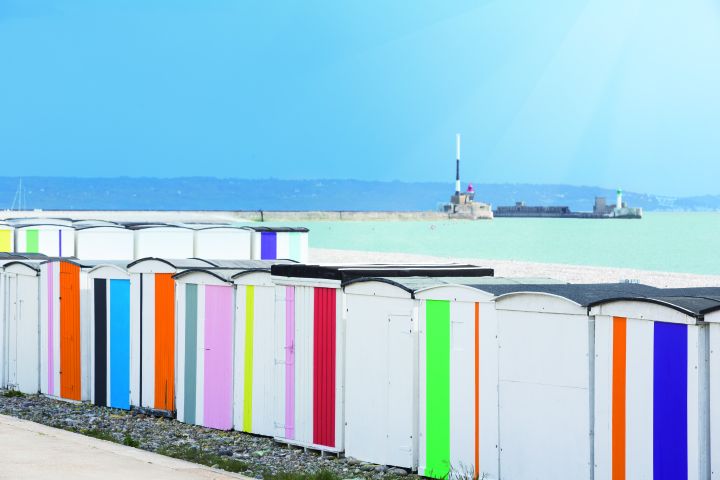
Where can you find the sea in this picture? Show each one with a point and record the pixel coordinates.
(669, 242)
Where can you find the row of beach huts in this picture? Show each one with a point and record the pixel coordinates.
(104, 240)
(443, 369)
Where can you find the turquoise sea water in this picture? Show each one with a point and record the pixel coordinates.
(676, 242)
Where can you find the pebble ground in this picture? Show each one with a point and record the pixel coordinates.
(261, 457)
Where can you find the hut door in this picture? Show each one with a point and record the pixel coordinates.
(100, 342)
(164, 342)
(218, 388)
(69, 331)
(28, 333)
(284, 365)
(401, 354)
(119, 326)
(12, 332)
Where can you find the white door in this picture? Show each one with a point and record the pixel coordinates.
(401, 356)
(27, 324)
(12, 331)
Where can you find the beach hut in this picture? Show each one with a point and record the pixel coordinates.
(64, 329)
(205, 311)
(310, 346)
(653, 414)
(421, 357)
(711, 316)
(152, 319)
(104, 242)
(110, 362)
(270, 243)
(164, 241)
(7, 238)
(545, 376)
(19, 325)
(222, 242)
(51, 239)
(254, 394)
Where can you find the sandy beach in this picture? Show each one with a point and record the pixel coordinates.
(512, 268)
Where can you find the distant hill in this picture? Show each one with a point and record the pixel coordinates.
(204, 193)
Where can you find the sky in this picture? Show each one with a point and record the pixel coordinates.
(585, 92)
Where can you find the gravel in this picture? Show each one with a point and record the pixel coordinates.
(261, 457)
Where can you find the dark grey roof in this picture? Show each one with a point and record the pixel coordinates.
(582, 294)
(346, 273)
(415, 284)
(691, 292)
(695, 302)
(24, 256)
(87, 263)
(248, 264)
(275, 229)
(98, 223)
(79, 227)
(150, 226)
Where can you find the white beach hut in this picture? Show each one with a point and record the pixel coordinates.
(222, 242)
(254, 388)
(51, 239)
(19, 325)
(110, 361)
(545, 383)
(653, 413)
(271, 243)
(64, 329)
(711, 315)
(310, 347)
(152, 318)
(421, 358)
(163, 241)
(104, 242)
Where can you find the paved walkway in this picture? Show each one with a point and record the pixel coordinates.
(32, 451)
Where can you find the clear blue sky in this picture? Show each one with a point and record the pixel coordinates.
(590, 92)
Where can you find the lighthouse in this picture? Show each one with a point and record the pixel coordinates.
(618, 200)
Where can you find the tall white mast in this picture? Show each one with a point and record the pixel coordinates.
(457, 164)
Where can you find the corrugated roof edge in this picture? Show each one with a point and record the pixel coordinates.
(210, 272)
(23, 263)
(381, 280)
(250, 270)
(88, 227)
(167, 262)
(664, 301)
(150, 227)
(33, 225)
(275, 229)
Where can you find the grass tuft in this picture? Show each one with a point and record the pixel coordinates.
(13, 394)
(130, 441)
(197, 455)
(99, 434)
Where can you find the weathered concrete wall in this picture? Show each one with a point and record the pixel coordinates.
(224, 216)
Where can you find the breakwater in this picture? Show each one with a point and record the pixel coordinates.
(192, 216)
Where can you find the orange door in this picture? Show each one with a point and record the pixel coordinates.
(164, 342)
(69, 331)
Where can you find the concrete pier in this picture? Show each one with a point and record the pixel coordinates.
(194, 216)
